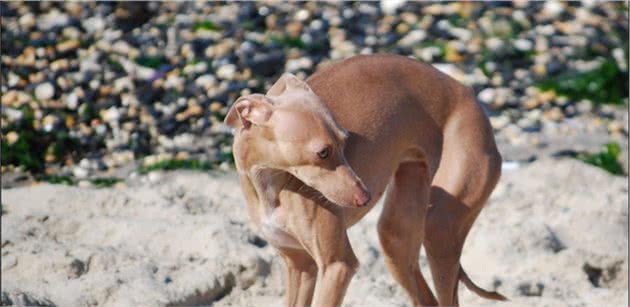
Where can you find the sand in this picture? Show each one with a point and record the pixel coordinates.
(554, 233)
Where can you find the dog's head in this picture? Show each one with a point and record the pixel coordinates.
(291, 130)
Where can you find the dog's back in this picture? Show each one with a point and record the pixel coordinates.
(410, 109)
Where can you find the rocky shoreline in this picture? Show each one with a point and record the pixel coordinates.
(101, 89)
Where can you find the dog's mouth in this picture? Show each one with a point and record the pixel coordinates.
(298, 186)
(356, 196)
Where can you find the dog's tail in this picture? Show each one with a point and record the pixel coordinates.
(478, 290)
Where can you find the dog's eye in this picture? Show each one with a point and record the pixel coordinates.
(323, 154)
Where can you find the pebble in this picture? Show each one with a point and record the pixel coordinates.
(13, 79)
(552, 8)
(486, 95)
(163, 78)
(495, 44)
(499, 122)
(413, 37)
(206, 81)
(389, 7)
(12, 137)
(68, 45)
(227, 72)
(80, 172)
(216, 107)
(44, 91)
(523, 44)
(111, 115)
(154, 177)
(27, 21)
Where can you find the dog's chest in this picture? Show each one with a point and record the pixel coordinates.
(272, 229)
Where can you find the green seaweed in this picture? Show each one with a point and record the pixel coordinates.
(30, 149)
(606, 84)
(227, 157)
(172, 164)
(249, 25)
(104, 182)
(290, 42)
(26, 151)
(99, 182)
(605, 159)
(150, 61)
(115, 64)
(206, 25)
(441, 45)
(58, 179)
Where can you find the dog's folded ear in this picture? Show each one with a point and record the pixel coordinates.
(288, 81)
(247, 110)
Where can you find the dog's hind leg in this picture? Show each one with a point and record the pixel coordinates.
(458, 194)
(401, 230)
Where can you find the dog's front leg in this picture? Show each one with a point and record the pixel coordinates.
(333, 278)
(329, 246)
(301, 276)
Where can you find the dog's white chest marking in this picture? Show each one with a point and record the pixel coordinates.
(273, 232)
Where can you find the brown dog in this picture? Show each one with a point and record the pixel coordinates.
(310, 153)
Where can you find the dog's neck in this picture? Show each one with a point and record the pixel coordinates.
(268, 183)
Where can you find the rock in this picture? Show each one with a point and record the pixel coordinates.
(389, 7)
(12, 137)
(584, 106)
(615, 127)
(206, 81)
(121, 47)
(95, 24)
(267, 64)
(27, 21)
(553, 114)
(523, 45)
(76, 269)
(451, 70)
(72, 101)
(124, 83)
(552, 8)
(412, 38)
(531, 103)
(12, 114)
(49, 122)
(80, 172)
(227, 72)
(299, 64)
(529, 289)
(111, 115)
(499, 122)
(402, 28)
(619, 56)
(13, 79)
(68, 45)
(486, 95)
(45, 91)
(495, 44)
(58, 65)
(302, 15)
(54, 18)
(216, 107)
(154, 177)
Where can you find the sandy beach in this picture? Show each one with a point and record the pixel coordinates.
(554, 233)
